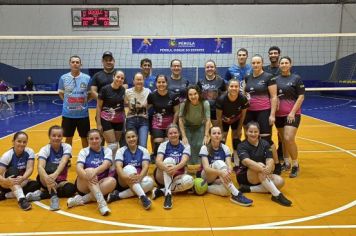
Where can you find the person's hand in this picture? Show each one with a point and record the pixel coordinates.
(225, 176)
(18, 180)
(206, 140)
(290, 118)
(271, 120)
(170, 170)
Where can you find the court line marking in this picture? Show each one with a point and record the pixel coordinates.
(165, 230)
(329, 122)
(330, 145)
(31, 126)
(256, 226)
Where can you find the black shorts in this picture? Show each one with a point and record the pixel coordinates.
(282, 121)
(234, 126)
(107, 125)
(241, 178)
(69, 126)
(262, 118)
(158, 133)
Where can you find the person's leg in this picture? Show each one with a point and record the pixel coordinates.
(143, 132)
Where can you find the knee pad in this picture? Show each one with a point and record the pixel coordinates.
(50, 168)
(169, 161)
(218, 189)
(11, 171)
(31, 186)
(129, 170)
(235, 142)
(147, 184)
(67, 190)
(268, 139)
(183, 183)
(219, 165)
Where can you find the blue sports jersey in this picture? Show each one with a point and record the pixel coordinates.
(10, 159)
(136, 159)
(75, 102)
(239, 73)
(150, 82)
(92, 159)
(221, 154)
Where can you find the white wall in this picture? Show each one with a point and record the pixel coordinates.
(185, 20)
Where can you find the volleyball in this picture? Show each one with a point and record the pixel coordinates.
(200, 186)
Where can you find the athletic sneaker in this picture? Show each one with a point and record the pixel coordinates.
(294, 172)
(286, 167)
(54, 203)
(277, 169)
(104, 209)
(241, 200)
(113, 196)
(156, 193)
(34, 196)
(146, 202)
(77, 200)
(24, 204)
(244, 188)
(168, 202)
(282, 200)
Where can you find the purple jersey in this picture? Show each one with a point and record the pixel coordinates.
(136, 159)
(257, 90)
(10, 159)
(288, 88)
(48, 154)
(174, 151)
(92, 159)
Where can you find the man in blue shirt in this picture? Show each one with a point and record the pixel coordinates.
(73, 88)
(240, 70)
(146, 70)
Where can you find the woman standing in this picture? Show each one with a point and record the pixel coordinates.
(261, 89)
(255, 173)
(137, 118)
(291, 96)
(132, 162)
(176, 83)
(16, 167)
(212, 86)
(93, 181)
(170, 173)
(110, 113)
(194, 122)
(165, 105)
(217, 169)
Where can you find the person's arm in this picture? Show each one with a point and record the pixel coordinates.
(219, 113)
(241, 122)
(207, 122)
(296, 107)
(94, 91)
(121, 175)
(272, 89)
(99, 107)
(176, 113)
(207, 168)
(159, 162)
(181, 121)
(61, 88)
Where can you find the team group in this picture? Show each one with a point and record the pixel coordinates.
(188, 124)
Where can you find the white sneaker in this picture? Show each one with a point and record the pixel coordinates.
(77, 200)
(34, 196)
(103, 208)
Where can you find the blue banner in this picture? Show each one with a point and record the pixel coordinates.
(182, 45)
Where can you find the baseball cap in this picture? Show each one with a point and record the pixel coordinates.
(108, 54)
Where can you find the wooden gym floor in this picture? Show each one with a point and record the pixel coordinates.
(324, 198)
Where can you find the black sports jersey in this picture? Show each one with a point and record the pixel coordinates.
(178, 87)
(231, 110)
(272, 70)
(212, 89)
(288, 88)
(163, 108)
(101, 78)
(113, 103)
(257, 90)
(260, 153)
